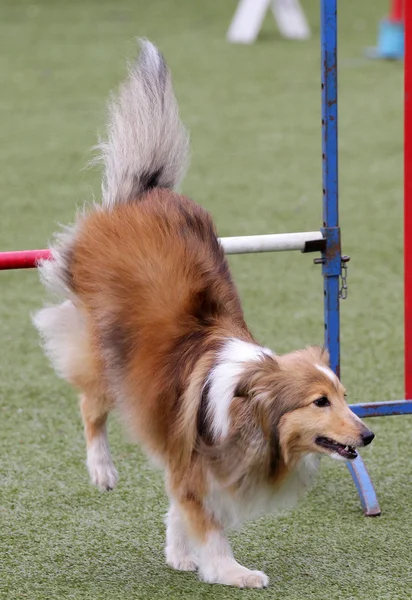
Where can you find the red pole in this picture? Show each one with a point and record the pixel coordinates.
(22, 259)
(396, 11)
(408, 200)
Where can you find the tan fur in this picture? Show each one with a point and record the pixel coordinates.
(95, 410)
(145, 278)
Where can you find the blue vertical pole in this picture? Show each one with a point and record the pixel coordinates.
(331, 232)
(332, 257)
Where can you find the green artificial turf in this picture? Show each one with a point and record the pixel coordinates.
(254, 116)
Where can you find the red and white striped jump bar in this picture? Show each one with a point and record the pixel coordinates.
(308, 241)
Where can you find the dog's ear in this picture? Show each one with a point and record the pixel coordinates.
(258, 387)
(253, 443)
(256, 376)
(260, 392)
(322, 355)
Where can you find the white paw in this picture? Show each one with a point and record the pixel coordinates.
(251, 579)
(183, 563)
(103, 475)
(179, 557)
(102, 471)
(237, 576)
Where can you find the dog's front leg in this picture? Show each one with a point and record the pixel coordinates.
(214, 557)
(217, 564)
(179, 550)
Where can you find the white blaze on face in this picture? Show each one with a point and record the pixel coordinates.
(328, 372)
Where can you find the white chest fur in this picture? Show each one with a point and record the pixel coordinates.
(232, 509)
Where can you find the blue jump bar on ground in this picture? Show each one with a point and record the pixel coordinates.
(382, 409)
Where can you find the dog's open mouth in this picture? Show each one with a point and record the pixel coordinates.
(346, 451)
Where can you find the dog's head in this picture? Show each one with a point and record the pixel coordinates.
(301, 406)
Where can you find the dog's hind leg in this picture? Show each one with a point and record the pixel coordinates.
(95, 409)
(68, 341)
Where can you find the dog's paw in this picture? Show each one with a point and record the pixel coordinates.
(180, 558)
(183, 563)
(102, 471)
(251, 579)
(237, 576)
(104, 476)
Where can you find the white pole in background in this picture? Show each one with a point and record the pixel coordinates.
(275, 242)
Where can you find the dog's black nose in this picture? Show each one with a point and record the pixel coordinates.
(367, 437)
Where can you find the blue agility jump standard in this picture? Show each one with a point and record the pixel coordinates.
(332, 260)
(332, 257)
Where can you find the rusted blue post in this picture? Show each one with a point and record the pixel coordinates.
(332, 258)
(331, 231)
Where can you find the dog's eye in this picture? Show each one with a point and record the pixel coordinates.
(322, 402)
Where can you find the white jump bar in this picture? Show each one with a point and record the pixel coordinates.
(275, 242)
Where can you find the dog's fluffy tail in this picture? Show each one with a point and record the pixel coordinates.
(146, 147)
(147, 144)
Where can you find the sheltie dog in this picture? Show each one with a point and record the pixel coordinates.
(150, 323)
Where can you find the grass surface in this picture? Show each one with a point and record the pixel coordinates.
(254, 117)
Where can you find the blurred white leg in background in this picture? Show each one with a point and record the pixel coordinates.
(250, 14)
